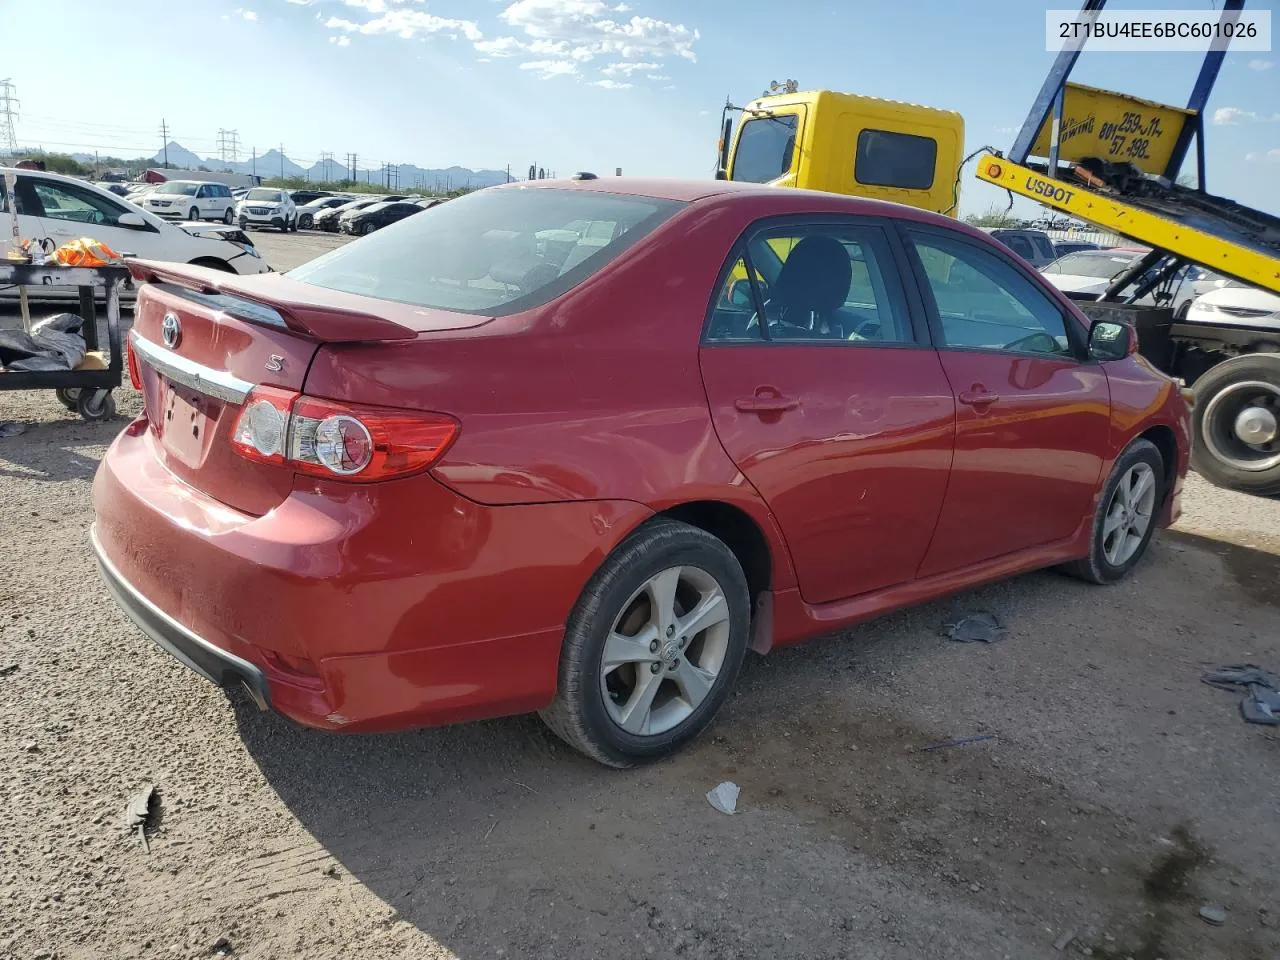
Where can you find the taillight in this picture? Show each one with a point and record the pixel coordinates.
(135, 373)
(342, 441)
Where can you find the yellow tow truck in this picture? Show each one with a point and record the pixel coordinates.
(1105, 158)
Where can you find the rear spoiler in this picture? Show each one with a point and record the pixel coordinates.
(248, 299)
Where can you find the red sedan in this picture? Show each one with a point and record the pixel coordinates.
(574, 447)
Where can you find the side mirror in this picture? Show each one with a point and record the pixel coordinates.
(1109, 340)
(132, 221)
(722, 174)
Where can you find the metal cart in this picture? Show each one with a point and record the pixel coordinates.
(88, 392)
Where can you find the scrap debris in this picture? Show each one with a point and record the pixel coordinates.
(138, 813)
(724, 797)
(963, 741)
(975, 627)
(1261, 703)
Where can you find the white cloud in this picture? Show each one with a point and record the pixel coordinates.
(546, 69)
(1260, 64)
(611, 84)
(656, 77)
(1271, 156)
(499, 46)
(586, 30)
(299, 3)
(626, 69)
(341, 41)
(407, 24)
(1231, 116)
(249, 15)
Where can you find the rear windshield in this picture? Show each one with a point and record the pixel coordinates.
(495, 251)
(177, 186)
(273, 195)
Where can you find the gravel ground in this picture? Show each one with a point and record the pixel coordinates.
(1119, 794)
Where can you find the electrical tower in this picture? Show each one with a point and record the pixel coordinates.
(8, 114)
(229, 146)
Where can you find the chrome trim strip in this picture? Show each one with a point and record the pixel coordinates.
(215, 383)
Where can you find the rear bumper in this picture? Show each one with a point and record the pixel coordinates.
(188, 648)
(359, 608)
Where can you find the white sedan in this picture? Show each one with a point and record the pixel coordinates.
(53, 209)
(1238, 305)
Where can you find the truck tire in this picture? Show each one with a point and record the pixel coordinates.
(1237, 424)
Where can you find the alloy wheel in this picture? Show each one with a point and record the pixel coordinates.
(665, 651)
(1129, 514)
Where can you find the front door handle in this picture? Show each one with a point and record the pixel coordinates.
(977, 397)
(766, 403)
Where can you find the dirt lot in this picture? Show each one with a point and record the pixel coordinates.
(1118, 796)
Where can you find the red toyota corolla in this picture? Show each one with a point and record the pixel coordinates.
(574, 447)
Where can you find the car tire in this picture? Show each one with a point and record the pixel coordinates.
(366, 229)
(193, 215)
(1218, 453)
(1180, 314)
(304, 222)
(1126, 517)
(228, 216)
(647, 708)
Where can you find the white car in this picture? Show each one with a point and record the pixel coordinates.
(191, 200)
(1086, 275)
(267, 207)
(1236, 304)
(53, 209)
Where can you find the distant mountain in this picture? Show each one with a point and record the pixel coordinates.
(179, 156)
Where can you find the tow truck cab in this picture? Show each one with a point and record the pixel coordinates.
(845, 143)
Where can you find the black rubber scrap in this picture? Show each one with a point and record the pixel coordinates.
(1261, 703)
(974, 627)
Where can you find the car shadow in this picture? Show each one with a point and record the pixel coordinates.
(495, 837)
(47, 450)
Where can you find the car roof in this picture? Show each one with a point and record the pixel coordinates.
(773, 201)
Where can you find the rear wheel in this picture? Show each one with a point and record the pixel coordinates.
(228, 216)
(1237, 424)
(652, 647)
(1126, 516)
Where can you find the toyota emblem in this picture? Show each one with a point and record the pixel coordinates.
(170, 330)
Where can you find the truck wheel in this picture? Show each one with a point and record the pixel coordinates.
(1237, 424)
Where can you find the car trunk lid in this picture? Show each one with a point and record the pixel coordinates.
(202, 341)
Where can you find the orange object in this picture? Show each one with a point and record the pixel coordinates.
(85, 252)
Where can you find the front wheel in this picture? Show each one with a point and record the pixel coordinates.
(304, 222)
(228, 216)
(1126, 516)
(652, 647)
(193, 214)
(1237, 424)
(367, 229)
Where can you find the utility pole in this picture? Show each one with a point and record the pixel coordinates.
(326, 159)
(228, 146)
(8, 114)
(508, 173)
(164, 137)
(253, 159)
(282, 161)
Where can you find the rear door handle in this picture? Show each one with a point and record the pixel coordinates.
(765, 404)
(978, 397)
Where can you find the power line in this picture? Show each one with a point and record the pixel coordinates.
(8, 114)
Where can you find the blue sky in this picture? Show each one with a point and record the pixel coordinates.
(572, 84)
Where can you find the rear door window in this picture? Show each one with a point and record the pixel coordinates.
(1018, 244)
(766, 146)
(1043, 247)
(888, 159)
